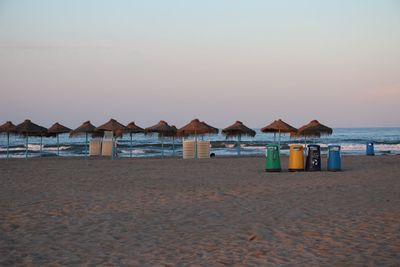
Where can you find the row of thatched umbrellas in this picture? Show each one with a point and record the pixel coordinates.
(163, 129)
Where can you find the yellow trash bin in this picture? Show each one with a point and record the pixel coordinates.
(296, 158)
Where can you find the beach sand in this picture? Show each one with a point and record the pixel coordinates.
(216, 212)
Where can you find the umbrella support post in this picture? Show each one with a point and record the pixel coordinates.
(41, 145)
(238, 144)
(195, 146)
(8, 145)
(58, 145)
(131, 147)
(162, 146)
(113, 148)
(279, 140)
(173, 146)
(274, 137)
(26, 147)
(305, 145)
(86, 145)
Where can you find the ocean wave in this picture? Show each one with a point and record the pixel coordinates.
(378, 147)
(55, 148)
(134, 152)
(21, 148)
(353, 141)
(12, 149)
(32, 147)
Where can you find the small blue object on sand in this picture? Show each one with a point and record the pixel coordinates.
(370, 149)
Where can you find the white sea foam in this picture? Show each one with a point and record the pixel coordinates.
(135, 151)
(254, 148)
(32, 147)
(55, 148)
(22, 148)
(12, 149)
(378, 147)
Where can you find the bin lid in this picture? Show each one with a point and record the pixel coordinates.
(271, 145)
(334, 147)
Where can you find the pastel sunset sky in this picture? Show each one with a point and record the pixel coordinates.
(217, 60)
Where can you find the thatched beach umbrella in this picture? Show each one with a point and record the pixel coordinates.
(112, 126)
(313, 129)
(28, 128)
(132, 128)
(195, 127)
(86, 128)
(278, 126)
(163, 129)
(172, 135)
(8, 128)
(115, 127)
(238, 129)
(55, 130)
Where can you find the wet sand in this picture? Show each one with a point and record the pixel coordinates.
(217, 212)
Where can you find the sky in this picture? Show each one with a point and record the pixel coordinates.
(217, 60)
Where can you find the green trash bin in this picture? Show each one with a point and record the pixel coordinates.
(272, 158)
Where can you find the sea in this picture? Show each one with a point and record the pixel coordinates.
(352, 141)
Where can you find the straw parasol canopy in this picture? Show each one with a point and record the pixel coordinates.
(173, 133)
(57, 129)
(195, 127)
(85, 128)
(113, 126)
(133, 128)
(28, 128)
(162, 128)
(313, 129)
(8, 128)
(174, 129)
(238, 128)
(279, 126)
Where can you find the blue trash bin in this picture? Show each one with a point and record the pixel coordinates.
(370, 149)
(334, 158)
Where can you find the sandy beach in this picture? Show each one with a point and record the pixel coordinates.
(216, 212)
